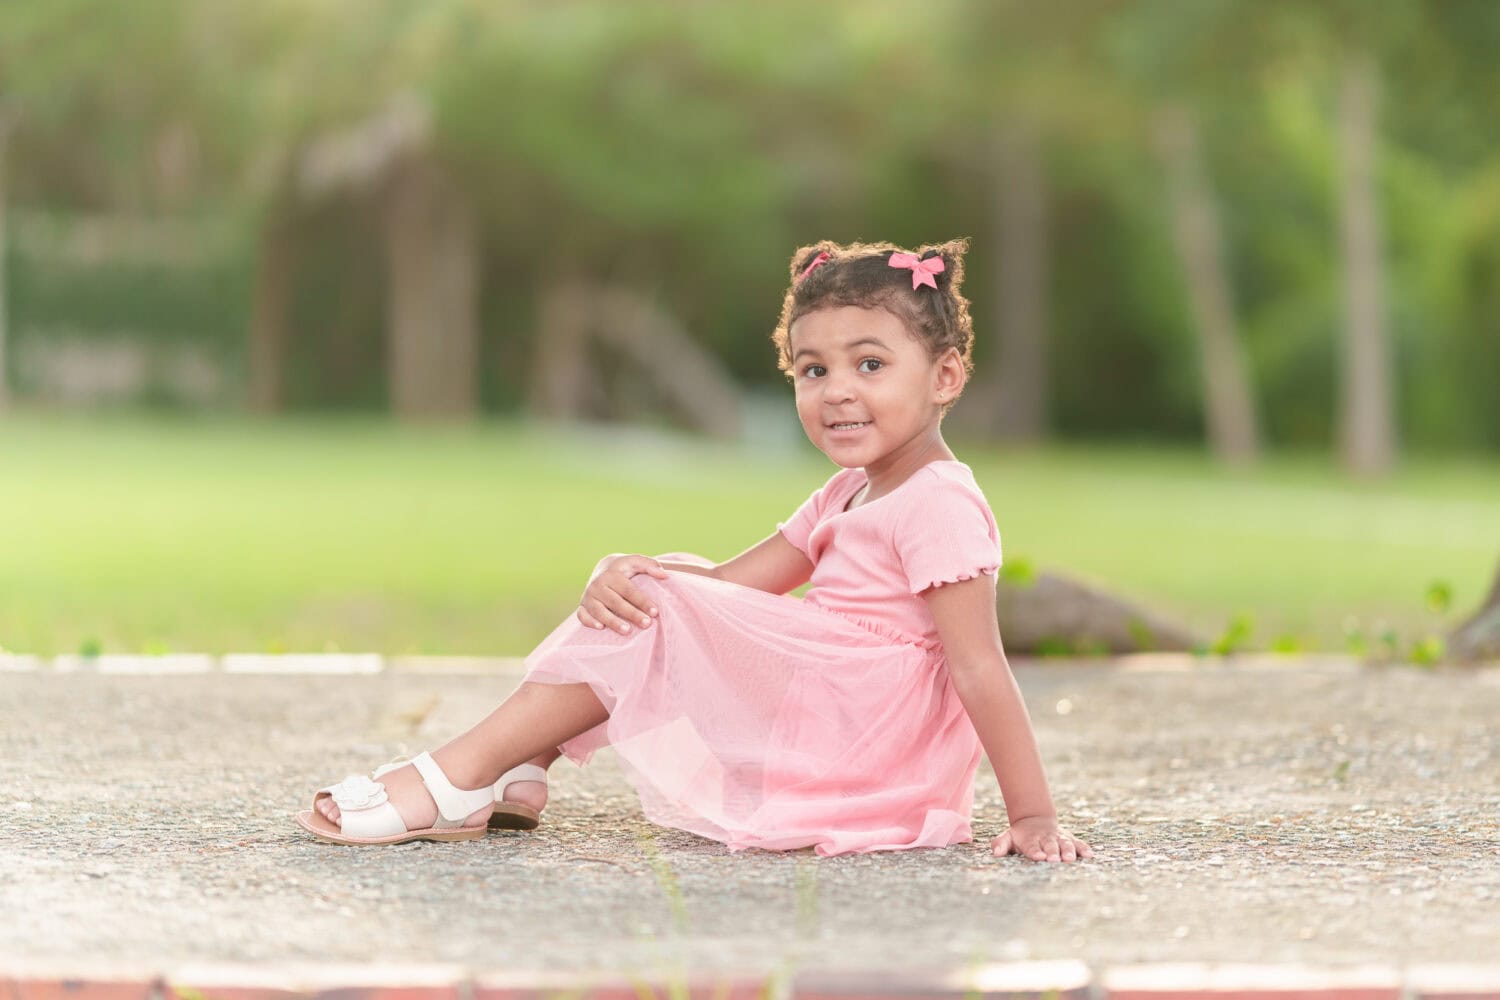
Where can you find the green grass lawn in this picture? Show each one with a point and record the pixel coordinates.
(129, 534)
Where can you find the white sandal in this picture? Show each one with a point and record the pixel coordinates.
(366, 816)
(516, 815)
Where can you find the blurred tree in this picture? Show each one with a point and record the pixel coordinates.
(270, 306)
(282, 89)
(1441, 178)
(1016, 392)
(1012, 80)
(1363, 41)
(1368, 425)
(431, 246)
(1233, 429)
(125, 85)
(1176, 57)
(117, 176)
(373, 143)
(5, 127)
(676, 152)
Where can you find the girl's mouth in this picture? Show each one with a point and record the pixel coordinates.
(849, 427)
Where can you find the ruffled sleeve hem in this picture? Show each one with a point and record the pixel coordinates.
(956, 577)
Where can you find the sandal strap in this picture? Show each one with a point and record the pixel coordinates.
(364, 809)
(378, 821)
(454, 805)
(394, 764)
(521, 772)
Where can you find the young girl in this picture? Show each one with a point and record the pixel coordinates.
(850, 720)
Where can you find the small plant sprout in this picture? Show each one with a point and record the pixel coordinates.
(1427, 651)
(1439, 597)
(1235, 636)
(1019, 571)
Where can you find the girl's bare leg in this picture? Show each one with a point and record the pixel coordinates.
(528, 726)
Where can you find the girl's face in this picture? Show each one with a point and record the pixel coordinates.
(866, 388)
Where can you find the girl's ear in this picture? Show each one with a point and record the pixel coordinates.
(951, 376)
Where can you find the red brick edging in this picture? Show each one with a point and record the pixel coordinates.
(1057, 980)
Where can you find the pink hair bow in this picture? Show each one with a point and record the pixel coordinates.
(922, 271)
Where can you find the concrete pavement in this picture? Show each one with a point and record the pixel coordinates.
(1309, 813)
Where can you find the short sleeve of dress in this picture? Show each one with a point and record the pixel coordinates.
(797, 528)
(945, 533)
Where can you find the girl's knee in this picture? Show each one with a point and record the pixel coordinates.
(687, 557)
(661, 591)
(653, 589)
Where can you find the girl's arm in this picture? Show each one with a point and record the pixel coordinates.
(966, 622)
(774, 565)
(687, 567)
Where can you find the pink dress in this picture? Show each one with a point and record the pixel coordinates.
(764, 720)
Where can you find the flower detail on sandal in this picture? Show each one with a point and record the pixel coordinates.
(357, 792)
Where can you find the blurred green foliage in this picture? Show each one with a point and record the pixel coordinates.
(687, 148)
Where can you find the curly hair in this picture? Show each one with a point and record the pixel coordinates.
(860, 274)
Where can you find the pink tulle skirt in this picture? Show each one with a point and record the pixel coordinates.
(760, 720)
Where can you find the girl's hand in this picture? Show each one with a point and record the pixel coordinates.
(611, 600)
(1040, 839)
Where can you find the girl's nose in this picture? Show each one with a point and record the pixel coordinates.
(837, 389)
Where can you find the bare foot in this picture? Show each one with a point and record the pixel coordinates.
(409, 795)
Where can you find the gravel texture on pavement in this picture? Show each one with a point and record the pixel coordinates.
(1267, 811)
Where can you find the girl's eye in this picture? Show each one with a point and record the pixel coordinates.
(871, 361)
(813, 371)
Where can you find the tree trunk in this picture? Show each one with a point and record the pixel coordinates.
(1009, 398)
(1368, 435)
(1478, 638)
(560, 376)
(432, 322)
(269, 316)
(4, 271)
(1228, 403)
(1017, 391)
